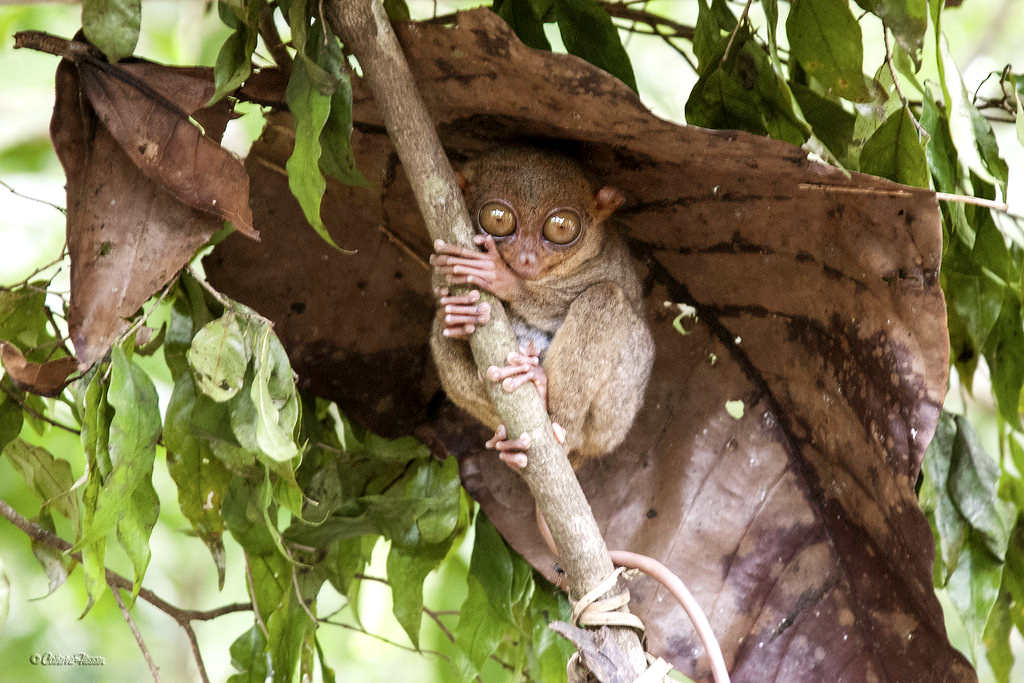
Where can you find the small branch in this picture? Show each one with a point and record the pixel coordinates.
(153, 668)
(364, 28)
(732, 36)
(35, 199)
(976, 201)
(183, 617)
(896, 84)
(35, 413)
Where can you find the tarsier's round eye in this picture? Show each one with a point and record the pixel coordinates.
(562, 226)
(497, 219)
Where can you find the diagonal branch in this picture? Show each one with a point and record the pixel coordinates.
(365, 30)
(184, 617)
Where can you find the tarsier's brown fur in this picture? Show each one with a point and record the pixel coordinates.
(580, 304)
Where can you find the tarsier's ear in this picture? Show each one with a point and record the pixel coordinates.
(463, 182)
(608, 199)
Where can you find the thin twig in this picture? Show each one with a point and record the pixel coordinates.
(976, 201)
(34, 199)
(153, 668)
(735, 30)
(183, 617)
(35, 413)
(896, 84)
(436, 616)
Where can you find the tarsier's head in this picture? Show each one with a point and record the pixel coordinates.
(540, 208)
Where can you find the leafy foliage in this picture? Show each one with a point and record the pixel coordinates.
(307, 495)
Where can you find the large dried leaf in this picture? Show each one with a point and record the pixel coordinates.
(145, 188)
(818, 308)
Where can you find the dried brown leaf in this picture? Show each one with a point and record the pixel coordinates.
(818, 307)
(44, 379)
(127, 236)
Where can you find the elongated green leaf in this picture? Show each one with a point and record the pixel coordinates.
(112, 26)
(201, 478)
(310, 108)
(250, 658)
(480, 630)
(971, 132)
(338, 159)
(895, 151)
(588, 32)
(234, 61)
(55, 563)
(825, 38)
(134, 431)
(997, 638)
(522, 17)
(907, 19)
(274, 399)
(1004, 352)
(49, 477)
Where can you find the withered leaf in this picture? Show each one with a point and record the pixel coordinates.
(818, 307)
(128, 235)
(44, 379)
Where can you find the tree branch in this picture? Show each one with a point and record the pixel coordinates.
(184, 617)
(365, 30)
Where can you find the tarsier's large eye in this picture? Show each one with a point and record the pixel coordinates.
(497, 219)
(562, 226)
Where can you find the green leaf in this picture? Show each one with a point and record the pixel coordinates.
(997, 638)
(250, 658)
(310, 109)
(337, 158)
(971, 523)
(825, 39)
(522, 17)
(273, 394)
(970, 130)
(406, 571)
(907, 19)
(588, 33)
(895, 151)
(23, 318)
(1004, 352)
(479, 631)
(49, 477)
(287, 626)
(112, 26)
(397, 10)
(134, 431)
(219, 356)
(507, 580)
(829, 121)
(973, 476)
(201, 478)
(234, 61)
(974, 587)
(940, 151)
(55, 563)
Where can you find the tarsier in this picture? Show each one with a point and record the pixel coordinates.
(572, 295)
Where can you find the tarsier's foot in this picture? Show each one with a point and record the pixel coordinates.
(511, 451)
(462, 313)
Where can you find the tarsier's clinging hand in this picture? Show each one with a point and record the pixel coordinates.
(571, 292)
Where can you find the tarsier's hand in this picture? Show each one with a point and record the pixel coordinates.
(462, 313)
(467, 266)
